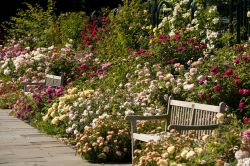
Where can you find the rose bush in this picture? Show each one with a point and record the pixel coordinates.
(105, 140)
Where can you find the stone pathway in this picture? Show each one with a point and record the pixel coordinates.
(23, 145)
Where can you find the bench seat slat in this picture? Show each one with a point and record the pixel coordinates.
(139, 117)
(184, 127)
(146, 137)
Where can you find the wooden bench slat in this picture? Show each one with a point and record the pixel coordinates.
(186, 104)
(182, 116)
(139, 117)
(182, 127)
(146, 137)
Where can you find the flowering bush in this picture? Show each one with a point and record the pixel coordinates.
(105, 140)
(223, 78)
(24, 108)
(207, 23)
(9, 93)
(93, 29)
(176, 48)
(70, 110)
(218, 149)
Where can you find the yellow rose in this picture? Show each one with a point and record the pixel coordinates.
(54, 106)
(184, 153)
(55, 120)
(163, 163)
(65, 109)
(198, 150)
(220, 117)
(164, 155)
(50, 110)
(61, 105)
(53, 113)
(45, 118)
(73, 91)
(62, 117)
(88, 93)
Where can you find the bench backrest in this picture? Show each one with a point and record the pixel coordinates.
(53, 80)
(186, 114)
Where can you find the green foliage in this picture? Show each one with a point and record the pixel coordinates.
(39, 27)
(34, 25)
(125, 30)
(48, 128)
(70, 25)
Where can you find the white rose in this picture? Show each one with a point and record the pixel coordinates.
(190, 155)
(184, 153)
(171, 149)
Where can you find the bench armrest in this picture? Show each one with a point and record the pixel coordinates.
(134, 118)
(202, 127)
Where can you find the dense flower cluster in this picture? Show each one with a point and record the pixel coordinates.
(105, 140)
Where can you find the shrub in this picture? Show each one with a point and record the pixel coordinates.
(125, 30)
(35, 25)
(9, 92)
(105, 140)
(70, 25)
(177, 48)
(224, 77)
(39, 27)
(24, 108)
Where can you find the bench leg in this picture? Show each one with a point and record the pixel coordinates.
(132, 148)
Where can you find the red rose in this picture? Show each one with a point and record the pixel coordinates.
(246, 120)
(242, 105)
(218, 88)
(229, 72)
(236, 61)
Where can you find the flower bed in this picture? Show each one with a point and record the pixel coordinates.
(125, 66)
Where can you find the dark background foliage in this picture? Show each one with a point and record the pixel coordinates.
(9, 8)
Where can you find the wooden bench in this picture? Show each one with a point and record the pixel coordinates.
(181, 116)
(50, 80)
